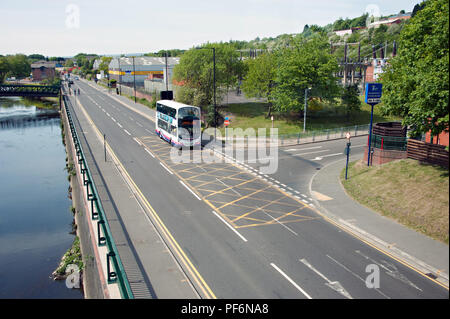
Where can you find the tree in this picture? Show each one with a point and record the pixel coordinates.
(104, 64)
(415, 85)
(304, 64)
(196, 72)
(4, 68)
(350, 99)
(18, 65)
(259, 80)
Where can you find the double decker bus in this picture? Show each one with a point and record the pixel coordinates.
(178, 123)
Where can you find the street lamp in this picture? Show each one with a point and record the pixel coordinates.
(134, 75)
(214, 84)
(120, 78)
(304, 111)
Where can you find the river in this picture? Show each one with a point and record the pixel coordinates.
(35, 217)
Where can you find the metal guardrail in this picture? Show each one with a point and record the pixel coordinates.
(323, 135)
(117, 274)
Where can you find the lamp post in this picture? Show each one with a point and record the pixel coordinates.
(120, 76)
(304, 111)
(134, 75)
(214, 84)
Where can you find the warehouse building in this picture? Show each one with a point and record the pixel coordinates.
(126, 71)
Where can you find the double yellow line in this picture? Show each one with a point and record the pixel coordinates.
(170, 240)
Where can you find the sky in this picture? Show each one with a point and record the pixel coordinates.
(67, 27)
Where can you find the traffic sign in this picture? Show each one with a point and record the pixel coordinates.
(373, 96)
(226, 122)
(373, 93)
(347, 135)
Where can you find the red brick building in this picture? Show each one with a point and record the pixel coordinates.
(43, 70)
(441, 139)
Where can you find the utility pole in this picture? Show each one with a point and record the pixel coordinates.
(167, 74)
(134, 74)
(120, 78)
(214, 81)
(214, 84)
(304, 111)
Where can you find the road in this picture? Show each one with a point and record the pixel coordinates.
(247, 236)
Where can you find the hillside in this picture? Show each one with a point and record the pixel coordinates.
(378, 37)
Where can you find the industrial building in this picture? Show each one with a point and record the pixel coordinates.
(43, 70)
(126, 70)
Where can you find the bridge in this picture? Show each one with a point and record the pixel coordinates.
(29, 90)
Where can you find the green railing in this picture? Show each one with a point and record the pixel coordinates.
(115, 274)
(323, 135)
(389, 142)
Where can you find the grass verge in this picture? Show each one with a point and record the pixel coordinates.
(320, 117)
(414, 194)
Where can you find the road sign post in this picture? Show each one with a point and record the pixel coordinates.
(226, 123)
(347, 152)
(373, 97)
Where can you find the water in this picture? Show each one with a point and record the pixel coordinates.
(35, 217)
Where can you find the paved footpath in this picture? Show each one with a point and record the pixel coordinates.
(422, 252)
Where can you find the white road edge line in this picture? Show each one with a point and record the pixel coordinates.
(137, 141)
(150, 153)
(127, 132)
(165, 167)
(291, 281)
(190, 190)
(231, 227)
(280, 223)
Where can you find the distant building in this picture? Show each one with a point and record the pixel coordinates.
(348, 31)
(343, 32)
(43, 70)
(147, 68)
(96, 64)
(391, 20)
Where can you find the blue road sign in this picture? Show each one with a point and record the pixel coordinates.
(373, 96)
(373, 93)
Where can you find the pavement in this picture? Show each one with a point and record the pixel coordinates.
(402, 243)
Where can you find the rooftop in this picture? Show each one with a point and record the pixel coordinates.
(146, 60)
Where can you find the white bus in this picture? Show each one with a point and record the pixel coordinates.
(178, 123)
